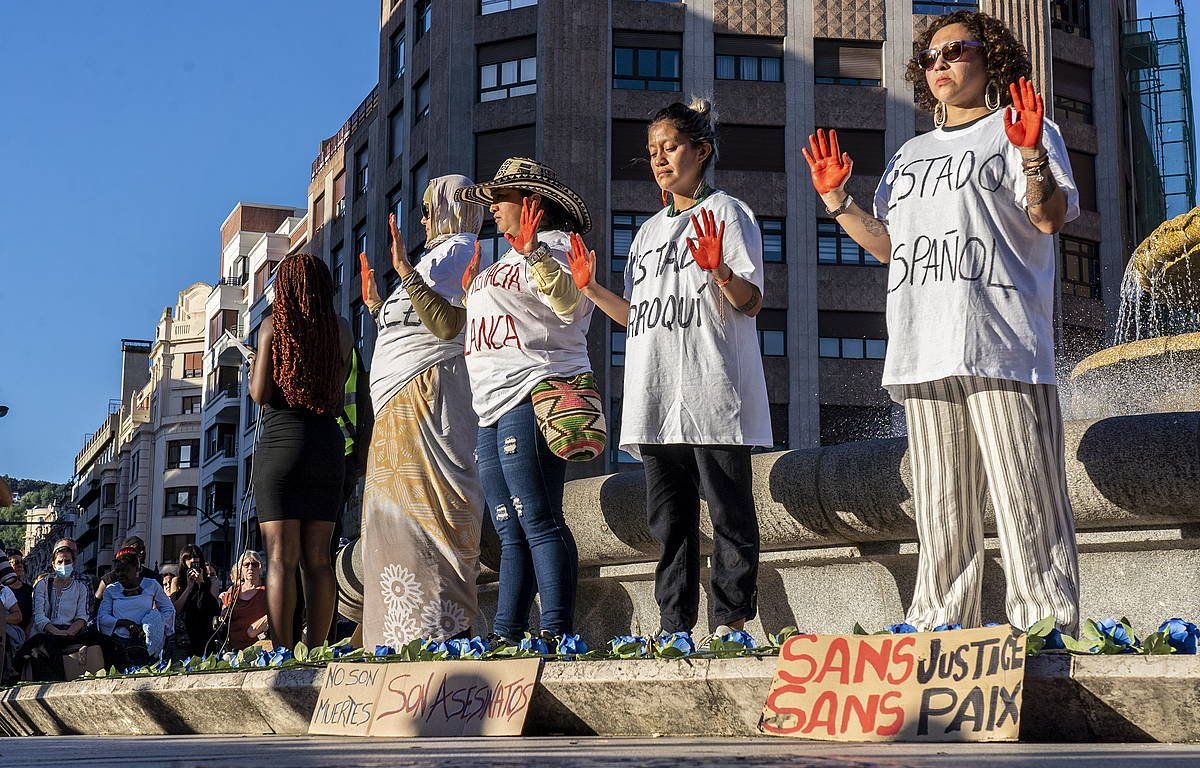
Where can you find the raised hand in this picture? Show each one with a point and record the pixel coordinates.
(582, 262)
(829, 165)
(471, 270)
(1023, 120)
(400, 261)
(531, 217)
(706, 246)
(370, 291)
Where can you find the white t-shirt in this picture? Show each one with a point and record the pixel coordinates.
(692, 376)
(971, 281)
(405, 347)
(514, 339)
(8, 599)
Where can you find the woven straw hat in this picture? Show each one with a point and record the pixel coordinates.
(530, 176)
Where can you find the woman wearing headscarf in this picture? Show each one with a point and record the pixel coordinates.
(971, 336)
(422, 505)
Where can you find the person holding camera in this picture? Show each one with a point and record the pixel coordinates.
(135, 615)
(195, 604)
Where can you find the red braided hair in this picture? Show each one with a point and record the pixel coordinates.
(306, 350)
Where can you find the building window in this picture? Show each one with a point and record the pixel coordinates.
(337, 266)
(492, 245)
(183, 454)
(834, 246)
(773, 238)
(1072, 92)
(220, 440)
(395, 204)
(362, 320)
(846, 62)
(754, 148)
(624, 227)
(360, 240)
(496, 6)
(647, 69)
(616, 455)
(318, 212)
(421, 100)
(1070, 16)
(939, 8)
(108, 496)
(1083, 168)
(749, 58)
(396, 133)
(508, 78)
(180, 502)
(420, 180)
(866, 147)
(173, 544)
(1080, 267)
(193, 365)
(339, 195)
(189, 405)
(224, 320)
(397, 49)
(361, 170)
(617, 342)
(772, 332)
(853, 349)
(423, 13)
(132, 513)
(493, 147)
(262, 278)
(135, 466)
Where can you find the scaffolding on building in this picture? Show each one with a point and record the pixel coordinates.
(1155, 55)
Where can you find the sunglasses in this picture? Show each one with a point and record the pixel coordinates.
(950, 51)
(425, 209)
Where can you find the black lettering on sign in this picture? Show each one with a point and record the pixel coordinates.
(946, 259)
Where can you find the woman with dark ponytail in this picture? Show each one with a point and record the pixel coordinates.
(298, 464)
(695, 394)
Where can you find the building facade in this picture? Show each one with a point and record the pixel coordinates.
(465, 83)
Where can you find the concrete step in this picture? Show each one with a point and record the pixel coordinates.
(1066, 699)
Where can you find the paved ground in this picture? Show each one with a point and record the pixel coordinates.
(309, 752)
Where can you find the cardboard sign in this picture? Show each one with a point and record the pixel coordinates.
(962, 685)
(346, 703)
(455, 698)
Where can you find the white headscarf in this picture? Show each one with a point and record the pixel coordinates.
(447, 217)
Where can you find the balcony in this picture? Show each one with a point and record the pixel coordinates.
(223, 397)
(221, 453)
(1070, 16)
(235, 281)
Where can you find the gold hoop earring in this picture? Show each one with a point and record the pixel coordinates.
(991, 96)
(939, 114)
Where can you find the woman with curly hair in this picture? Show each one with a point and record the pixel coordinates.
(298, 464)
(964, 217)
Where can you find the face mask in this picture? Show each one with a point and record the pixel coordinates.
(65, 570)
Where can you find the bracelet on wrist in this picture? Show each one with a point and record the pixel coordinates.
(722, 283)
(844, 206)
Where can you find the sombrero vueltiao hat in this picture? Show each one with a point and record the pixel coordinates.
(531, 176)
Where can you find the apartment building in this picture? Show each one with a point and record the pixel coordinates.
(465, 83)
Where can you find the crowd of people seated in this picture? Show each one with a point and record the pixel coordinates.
(132, 615)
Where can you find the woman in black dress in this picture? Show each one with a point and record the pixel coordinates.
(299, 462)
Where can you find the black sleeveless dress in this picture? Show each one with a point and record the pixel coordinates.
(299, 465)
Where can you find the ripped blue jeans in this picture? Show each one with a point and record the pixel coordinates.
(523, 488)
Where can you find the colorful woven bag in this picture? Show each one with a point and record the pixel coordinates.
(571, 418)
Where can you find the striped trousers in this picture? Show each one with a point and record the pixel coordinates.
(969, 436)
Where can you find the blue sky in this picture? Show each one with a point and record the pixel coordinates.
(130, 131)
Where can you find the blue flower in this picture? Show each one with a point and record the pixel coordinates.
(436, 646)
(263, 659)
(464, 648)
(991, 624)
(535, 644)
(383, 650)
(1053, 641)
(572, 645)
(741, 637)
(900, 629)
(188, 663)
(276, 657)
(341, 650)
(946, 627)
(629, 644)
(1115, 630)
(680, 642)
(162, 666)
(130, 670)
(1182, 635)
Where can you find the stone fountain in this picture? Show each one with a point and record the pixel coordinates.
(1154, 365)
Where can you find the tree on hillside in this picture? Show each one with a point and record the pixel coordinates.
(32, 493)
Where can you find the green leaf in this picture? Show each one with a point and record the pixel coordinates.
(1091, 631)
(858, 630)
(300, 652)
(1042, 628)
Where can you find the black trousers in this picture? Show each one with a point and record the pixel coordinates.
(675, 477)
